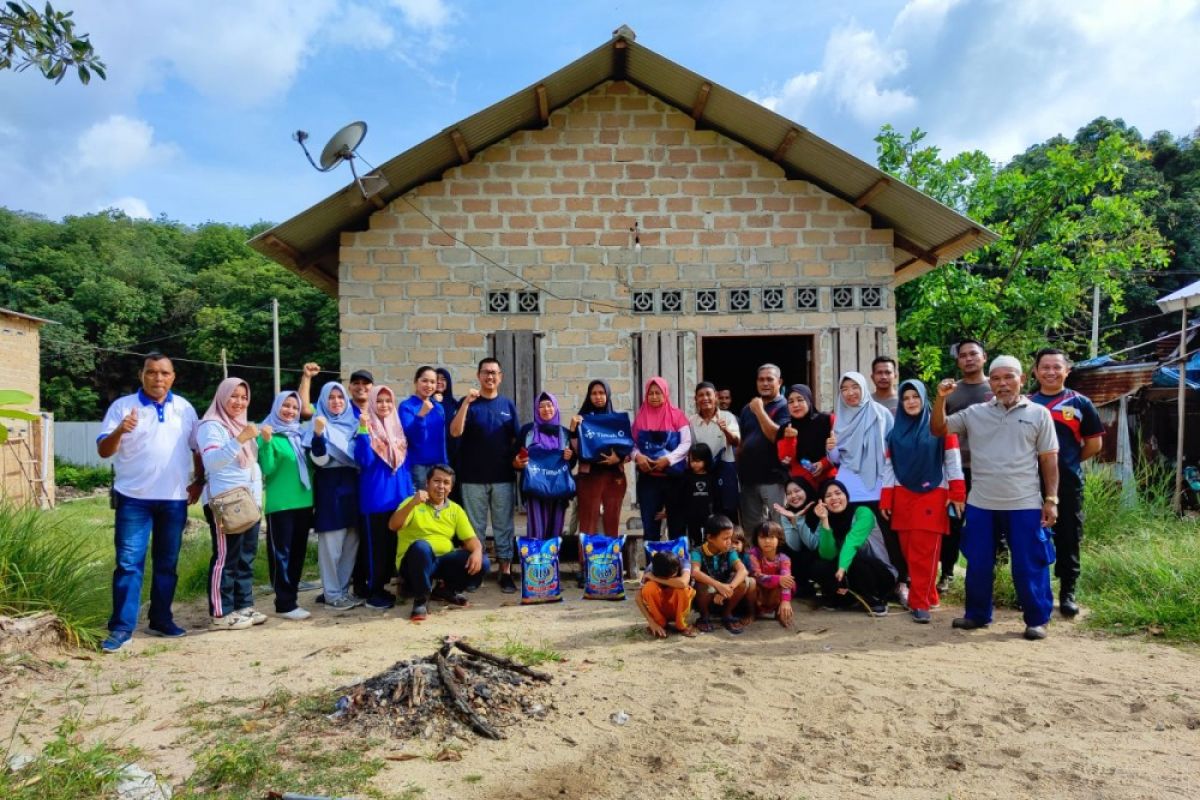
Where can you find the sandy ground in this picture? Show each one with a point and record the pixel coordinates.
(840, 706)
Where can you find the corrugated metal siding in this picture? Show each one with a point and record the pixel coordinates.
(314, 233)
(1108, 384)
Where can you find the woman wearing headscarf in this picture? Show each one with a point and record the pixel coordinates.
(287, 481)
(600, 484)
(662, 439)
(424, 423)
(229, 450)
(335, 493)
(922, 481)
(858, 446)
(801, 441)
(445, 397)
(380, 450)
(851, 556)
(544, 517)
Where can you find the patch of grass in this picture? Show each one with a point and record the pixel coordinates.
(474, 777)
(66, 768)
(529, 655)
(45, 566)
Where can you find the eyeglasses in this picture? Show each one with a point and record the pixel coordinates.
(489, 372)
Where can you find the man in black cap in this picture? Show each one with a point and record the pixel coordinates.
(360, 386)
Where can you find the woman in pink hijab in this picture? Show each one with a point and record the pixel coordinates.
(227, 446)
(380, 450)
(662, 438)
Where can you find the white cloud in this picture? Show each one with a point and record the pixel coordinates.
(134, 207)
(120, 144)
(429, 14)
(854, 72)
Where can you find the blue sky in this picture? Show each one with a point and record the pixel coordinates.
(195, 119)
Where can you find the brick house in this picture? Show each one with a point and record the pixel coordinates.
(622, 218)
(26, 459)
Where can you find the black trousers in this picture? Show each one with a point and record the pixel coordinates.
(891, 540)
(380, 545)
(287, 532)
(867, 577)
(1068, 531)
(952, 541)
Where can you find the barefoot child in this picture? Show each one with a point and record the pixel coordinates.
(721, 578)
(666, 595)
(772, 573)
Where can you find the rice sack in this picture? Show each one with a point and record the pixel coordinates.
(677, 547)
(605, 570)
(539, 570)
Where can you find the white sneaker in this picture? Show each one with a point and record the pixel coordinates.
(296, 613)
(255, 617)
(230, 622)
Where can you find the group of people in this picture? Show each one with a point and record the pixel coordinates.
(853, 508)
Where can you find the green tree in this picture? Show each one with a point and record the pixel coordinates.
(45, 39)
(1064, 226)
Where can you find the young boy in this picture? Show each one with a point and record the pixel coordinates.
(699, 489)
(721, 578)
(666, 595)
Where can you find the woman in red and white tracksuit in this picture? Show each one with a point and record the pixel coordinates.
(922, 485)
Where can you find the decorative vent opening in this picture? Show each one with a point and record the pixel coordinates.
(708, 301)
(773, 299)
(739, 300)
(499, 302)
(643, 302)
(807, 298)
(671, 301)
(529, 303)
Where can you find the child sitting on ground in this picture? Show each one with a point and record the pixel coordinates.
(721, 578)
(666, 596)
(699, 489)
(772, 573)
(739, 547)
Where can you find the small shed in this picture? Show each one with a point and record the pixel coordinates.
(27, 458)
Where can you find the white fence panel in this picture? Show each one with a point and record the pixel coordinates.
(76, 442)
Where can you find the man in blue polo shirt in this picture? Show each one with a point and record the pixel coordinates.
(486, 426)
(149, 436)
(1080, 436)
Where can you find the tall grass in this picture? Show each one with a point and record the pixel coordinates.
(44, 566)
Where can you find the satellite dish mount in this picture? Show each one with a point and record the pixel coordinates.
(343, 146)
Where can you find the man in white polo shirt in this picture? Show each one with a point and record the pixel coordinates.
(1012, 439)
(149, 436)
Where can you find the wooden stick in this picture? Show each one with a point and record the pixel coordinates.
(500, 661)
(478, 723)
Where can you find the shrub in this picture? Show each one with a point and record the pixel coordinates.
(83, 478)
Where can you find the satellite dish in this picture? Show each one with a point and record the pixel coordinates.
(343, 146)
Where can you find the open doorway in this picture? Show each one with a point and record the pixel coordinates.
(732, 361)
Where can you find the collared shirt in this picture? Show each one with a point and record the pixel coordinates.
(964, 395)
(1075, 420)
(1004, 462)
(154, 460)
(710, 433)
(438, 526)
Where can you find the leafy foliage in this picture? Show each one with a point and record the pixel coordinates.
(11, 397)
(1066, 222)
(119, 287)
(45, 39)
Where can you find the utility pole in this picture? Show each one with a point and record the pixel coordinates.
(224, 366)
(1095, 320)
(275, 338)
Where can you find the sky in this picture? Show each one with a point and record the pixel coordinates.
(195, 120)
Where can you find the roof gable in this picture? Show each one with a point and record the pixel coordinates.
(926, 233)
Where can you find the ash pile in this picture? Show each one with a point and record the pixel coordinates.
(456, 691)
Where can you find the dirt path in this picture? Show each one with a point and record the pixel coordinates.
(844, 706)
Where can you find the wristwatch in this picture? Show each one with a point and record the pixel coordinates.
(1050, 498)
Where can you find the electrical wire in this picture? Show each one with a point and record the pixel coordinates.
(118, 351)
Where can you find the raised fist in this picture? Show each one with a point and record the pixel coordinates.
(319, 426)
(311, 369)
(249, 432)
(266, 432)
(472, 395)
(945, 387)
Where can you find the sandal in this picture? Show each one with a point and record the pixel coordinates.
(689, 632)
(732, 625)
(704, 626)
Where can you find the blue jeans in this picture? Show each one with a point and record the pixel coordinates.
(141, 524)
(1032, 554)
(498, 500)
(420, 567)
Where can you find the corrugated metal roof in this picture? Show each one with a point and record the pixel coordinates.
(927, 232)
(1105, 384)
(30, 317)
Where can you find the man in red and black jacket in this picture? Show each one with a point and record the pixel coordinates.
(1080, 436)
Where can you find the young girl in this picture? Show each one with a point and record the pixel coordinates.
(699, 492)
(288, 483)
(922, 480)
(379, 450)
(852, 557)
(544, 516)
(772, 573)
